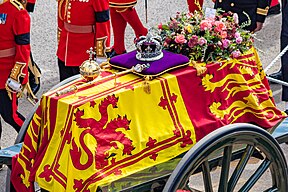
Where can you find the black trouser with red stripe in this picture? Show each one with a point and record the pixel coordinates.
(8, 111)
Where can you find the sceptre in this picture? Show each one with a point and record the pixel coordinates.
(137, 68)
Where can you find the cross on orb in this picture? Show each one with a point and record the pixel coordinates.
(91, 53)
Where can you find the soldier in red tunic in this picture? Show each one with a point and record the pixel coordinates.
(192, 6)
(14, 56)
(82, 24)
(123, 12)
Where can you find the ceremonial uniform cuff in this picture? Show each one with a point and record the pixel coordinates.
(261, 14)
(17, 72)
(100, 47)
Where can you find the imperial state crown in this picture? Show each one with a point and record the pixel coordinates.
(149, 47)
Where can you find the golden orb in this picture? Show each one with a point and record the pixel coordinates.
(90, 70)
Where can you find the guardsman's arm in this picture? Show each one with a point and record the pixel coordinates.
(261, 13)
(21, 30)
(102, 27)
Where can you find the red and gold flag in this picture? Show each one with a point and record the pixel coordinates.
(109, 130)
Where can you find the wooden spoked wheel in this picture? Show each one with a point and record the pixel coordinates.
(233, 158)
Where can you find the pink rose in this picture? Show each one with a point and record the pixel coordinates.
(202, 41)
(239, 40)
(160, 26)
(193, 41)
(180, 39)
(236, 54)
(205, 25)
(223, 34)
(237, 34)
(225, 43)
(220, 26)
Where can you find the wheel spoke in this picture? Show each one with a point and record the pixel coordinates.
(207, 176)
(184, 182)
(225, 169)
(255, 177)
(272, 189)
(240, 167)
(216, 148)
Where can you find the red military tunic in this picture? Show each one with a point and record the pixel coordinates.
(122, 3)
(81, 24)
(14, 38)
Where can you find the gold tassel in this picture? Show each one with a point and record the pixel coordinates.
(200, 68)
(146, 85)
(30, 95)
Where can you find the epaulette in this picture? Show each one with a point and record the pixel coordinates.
(17, 4)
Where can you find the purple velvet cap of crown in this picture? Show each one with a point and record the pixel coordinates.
(167, 62)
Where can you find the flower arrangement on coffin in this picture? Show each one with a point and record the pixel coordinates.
(205, 39)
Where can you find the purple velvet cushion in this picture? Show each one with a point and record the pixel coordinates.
(168, 62)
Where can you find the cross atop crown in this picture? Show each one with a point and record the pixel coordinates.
(91, 53)
(149, 47)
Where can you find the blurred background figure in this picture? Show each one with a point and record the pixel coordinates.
(251, 13)
(123, 12)
(81, 25)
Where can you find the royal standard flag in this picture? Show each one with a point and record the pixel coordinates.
(114, 128)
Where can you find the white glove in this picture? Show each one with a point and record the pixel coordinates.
(13, 85)
(100, 60)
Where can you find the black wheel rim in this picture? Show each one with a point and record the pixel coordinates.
(254, 139)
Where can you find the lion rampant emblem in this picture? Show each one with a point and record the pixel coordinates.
(105, 133)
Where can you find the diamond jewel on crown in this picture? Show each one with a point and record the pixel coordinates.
(149, 48)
